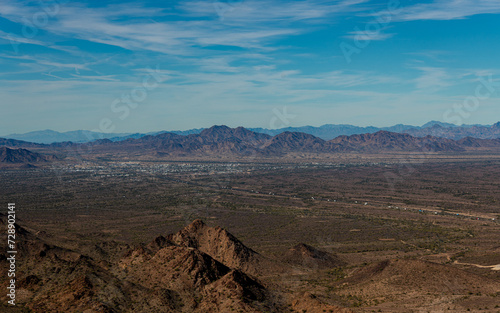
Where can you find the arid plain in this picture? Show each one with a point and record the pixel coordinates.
(387, 233)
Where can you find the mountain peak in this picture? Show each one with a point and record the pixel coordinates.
(224, 133)
(309, 256)
(434, 123)
(216, 128)
(216, 242)
(196, 225)
(217, 132)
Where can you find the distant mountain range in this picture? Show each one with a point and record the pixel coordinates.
(325, 132)
(330, 131)
(456, 133)
(223, 141)
(50, 136)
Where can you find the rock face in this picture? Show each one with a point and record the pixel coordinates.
(55, 279)
(219, 244)
(202, 265)
(161, 276)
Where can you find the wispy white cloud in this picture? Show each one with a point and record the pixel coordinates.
(32, 64)
(250, 12)
(252, 24)
(14, 39)
(369, 36)
(63, 65)
(434, 55)
(174, 38)
(227, 59)
(253, 27)
(96, 77)
(448, 10)
(432, 79)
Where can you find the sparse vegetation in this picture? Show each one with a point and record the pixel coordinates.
(105, 213)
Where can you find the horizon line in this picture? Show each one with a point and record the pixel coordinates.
(246, 127)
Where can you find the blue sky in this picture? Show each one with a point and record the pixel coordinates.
(125, 66)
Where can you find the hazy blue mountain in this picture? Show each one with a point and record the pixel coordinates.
(330, 131)
(325, 132)
(458, 132)
(140, 135)
(399, 128)
(50, 136)
(187, 132)
(442, 124)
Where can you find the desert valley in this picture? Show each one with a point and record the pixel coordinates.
(232, 220)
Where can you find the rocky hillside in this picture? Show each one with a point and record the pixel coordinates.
(202, 268)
